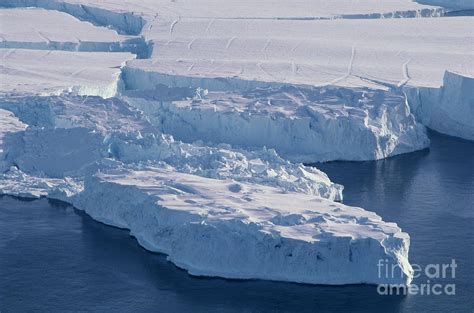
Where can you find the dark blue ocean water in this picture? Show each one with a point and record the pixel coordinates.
(54, 258)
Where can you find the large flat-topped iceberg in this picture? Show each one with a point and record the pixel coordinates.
(55, 72)
(302, 124)
(236, 230)
(220, 53)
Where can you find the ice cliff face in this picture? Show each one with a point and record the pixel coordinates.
(303, 124)
(448, 109)
(11, 130)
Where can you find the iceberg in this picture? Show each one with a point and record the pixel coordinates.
(238, 230)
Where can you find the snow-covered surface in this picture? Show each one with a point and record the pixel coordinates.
(345, 52)
(302, 124)
(55, 72)
(287, 41)
(123, 21)
(43, 26)
(315, 80)
(236, 230)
